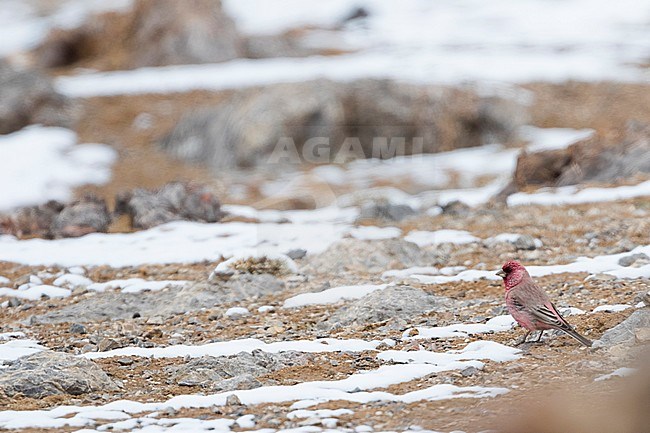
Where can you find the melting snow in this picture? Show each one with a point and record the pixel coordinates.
(600, 264)
(573, 195)
(423, 238)
(55, 162)
(496, 324)
(193, 242)
(332, 296)
(611, 308)
(16, 348)
(372, 233)
(237, 312)
(233, 347)
(621, 372)
(419, 41)
(541, 139)
(357, 387)
(35, 293)
(135, 285)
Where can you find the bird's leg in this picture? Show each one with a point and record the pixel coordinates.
(523, 340)
(539, 337)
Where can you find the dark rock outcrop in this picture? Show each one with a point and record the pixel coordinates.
(152, 33)
(591, 160)
(53, 373)
(397, 302)
(166, 302)
(323, 121)
(57, 220)
(228, 373)
(355, 255)
(174, 201)
(27, 97)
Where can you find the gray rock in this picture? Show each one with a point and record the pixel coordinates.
(633, 258)
(364, 117)
(28, 97)
(87, 215)
(525, 242)
(469, 371)
(625, 332)
(297, 254)
(396, 302)
(31, 221)
(457, 208)
(174, 201)
(385, 212)
(53, 373)
(194, 31)
(355, 255)
(245, 130)
(592, 160)
(164, 303)
(78, 328)
(233, 400)
(227, 373)
(57, 220)
(151, 33)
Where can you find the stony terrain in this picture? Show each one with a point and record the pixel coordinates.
(350, 293)
(89, 321)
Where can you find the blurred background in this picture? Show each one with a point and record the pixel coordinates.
(290, 104)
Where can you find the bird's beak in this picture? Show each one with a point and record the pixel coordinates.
(501, 273)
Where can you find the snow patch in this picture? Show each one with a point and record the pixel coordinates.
(136, 285)
(55, 162)
(35, 293)
(612, 308)
(445, 236)
(233, 347)
(572, 195)
(371, 233)
(15, 349)
(620, 372)
(193, 242)
(495, 324)
(237, 312)
(332, 296)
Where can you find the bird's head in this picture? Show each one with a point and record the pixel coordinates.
(512, 273)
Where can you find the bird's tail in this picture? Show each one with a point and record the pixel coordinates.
(573, 333)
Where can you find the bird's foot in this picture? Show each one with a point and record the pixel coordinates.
(522, 340)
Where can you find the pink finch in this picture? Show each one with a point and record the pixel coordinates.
(530, 306)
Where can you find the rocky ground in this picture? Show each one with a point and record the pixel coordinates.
(88, 321)
(378, 308)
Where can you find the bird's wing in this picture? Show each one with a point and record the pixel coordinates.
(548, 314)
(516, 302)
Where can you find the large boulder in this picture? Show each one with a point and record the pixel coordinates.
(625, 333)
(163, 303)
(27, 97)
(174, 201)
(53, 219)
(590, 160)
(169, 32)
(228, 373)
(395, 302)
(323, 121)
(87, 215)
(152, 33)
(53, 373)
(245, 130)
(361, 256)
